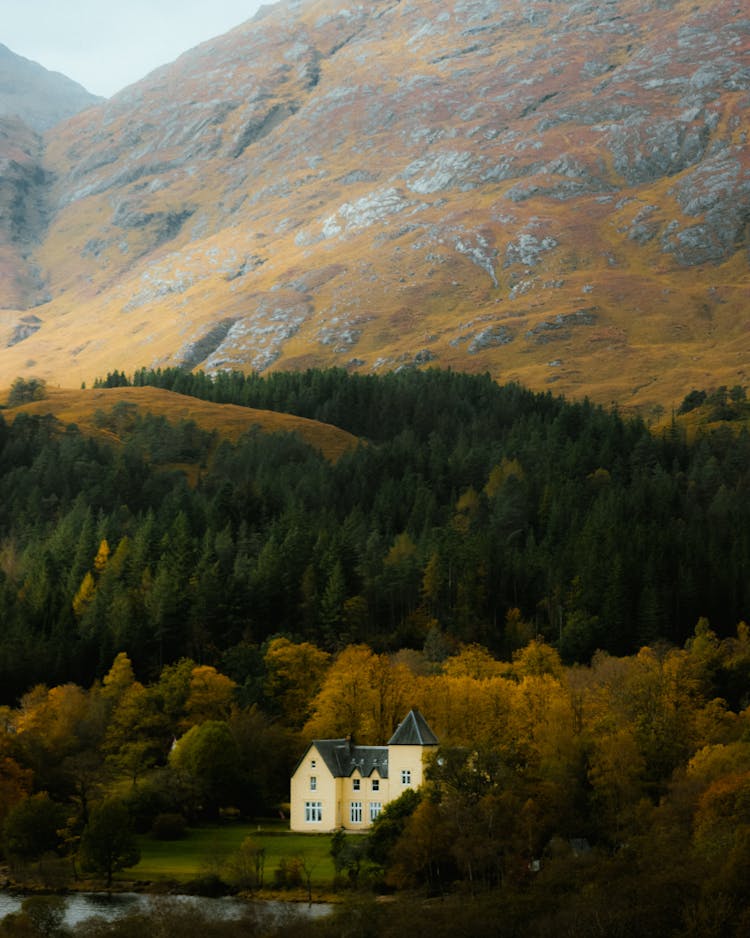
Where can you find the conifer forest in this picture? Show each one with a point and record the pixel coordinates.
(560, 589)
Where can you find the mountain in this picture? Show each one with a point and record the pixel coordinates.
(23, 189)
(32, 100)
(39, 97)
(553, 192)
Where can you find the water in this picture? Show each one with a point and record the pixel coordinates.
(80, 906)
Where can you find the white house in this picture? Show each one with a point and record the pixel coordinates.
(338, 784)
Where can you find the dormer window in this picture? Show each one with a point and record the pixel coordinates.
(376, 784)
(355, 784)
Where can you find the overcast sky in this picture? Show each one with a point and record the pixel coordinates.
(108, 44)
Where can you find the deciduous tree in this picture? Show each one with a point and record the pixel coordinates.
(108, 843)
(32, 827)
(294, 675)
(210, 695)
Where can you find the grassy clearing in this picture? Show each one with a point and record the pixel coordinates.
(205, 851)
(229, 420)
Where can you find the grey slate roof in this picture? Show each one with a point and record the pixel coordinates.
(342, 758)
(413, 731)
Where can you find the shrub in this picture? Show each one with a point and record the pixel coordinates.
(25, 390)
(691, 401)
(209, 885)
(289, 873)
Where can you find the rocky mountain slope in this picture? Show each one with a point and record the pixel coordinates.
(22, 219)
(554, 192)
(39, 97)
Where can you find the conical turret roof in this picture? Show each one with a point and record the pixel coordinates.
(413, 731)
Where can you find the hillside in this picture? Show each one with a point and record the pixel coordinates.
(228, 420)
(23, 215)
(477, 512)
(551, 192)
(39, 97)
(561, 591)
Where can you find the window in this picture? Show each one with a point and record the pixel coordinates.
(375, 809)
(355, 784)
(313, 782)
(406, 776)
(313, 810)
(355, 813)
(313, 763)
(376, 784)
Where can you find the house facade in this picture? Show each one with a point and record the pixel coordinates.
(338, 784)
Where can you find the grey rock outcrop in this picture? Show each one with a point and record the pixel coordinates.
(389, 184)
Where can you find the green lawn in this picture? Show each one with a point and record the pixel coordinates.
(204, 850)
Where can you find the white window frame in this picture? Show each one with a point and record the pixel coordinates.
(376, 784)
(355, 784)
(313, 812)
(406, 776)
(313, 783)
(375, 808)
(355, 812)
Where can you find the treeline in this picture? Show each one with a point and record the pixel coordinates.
(721, 403)
(612, 798)
(465, 501)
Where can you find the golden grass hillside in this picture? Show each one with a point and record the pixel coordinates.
(553, 193)
(228, 420)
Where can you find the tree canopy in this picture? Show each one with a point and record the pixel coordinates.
(471, 513)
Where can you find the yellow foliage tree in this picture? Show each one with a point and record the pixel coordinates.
(723, 815)
(472, 661)
(464, 710)
(84, 595)
(119, 677)
(500, 474)
(294, 676)
(210, 696)
(363, 696)
(537, 658)
(402, 550)
(432, 582)
(138, 732)
(466, 510)
(102, 556)
(52, 722)
(616, 769)
(420, 852)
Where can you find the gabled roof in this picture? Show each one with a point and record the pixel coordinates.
(343, 758)
(413, 731)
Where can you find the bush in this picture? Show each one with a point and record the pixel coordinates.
(691, 401)
(25, 390)
(158, 794)
(209, 885)
(289, 873)
(245, 869)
